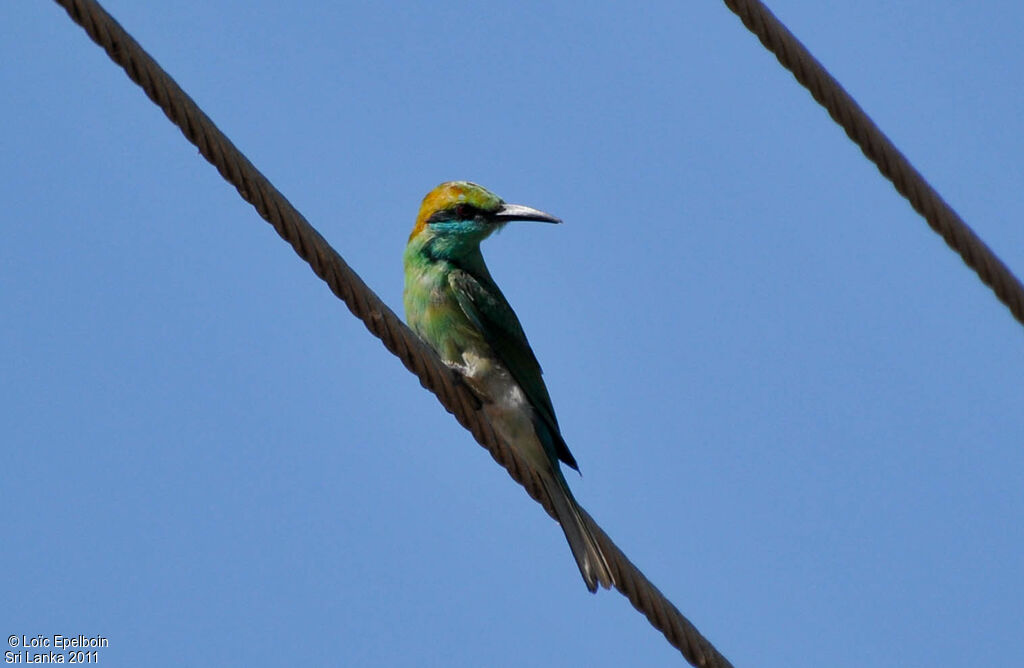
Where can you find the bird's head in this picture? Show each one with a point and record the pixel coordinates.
(460, 212)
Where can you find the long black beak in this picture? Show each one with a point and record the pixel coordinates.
(509, 212)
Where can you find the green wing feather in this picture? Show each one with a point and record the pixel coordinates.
(486, 307)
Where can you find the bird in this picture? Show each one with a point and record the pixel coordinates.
(454, 305)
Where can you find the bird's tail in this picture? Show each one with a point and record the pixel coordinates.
(589, 557)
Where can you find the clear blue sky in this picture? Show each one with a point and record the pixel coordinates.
(795, 409)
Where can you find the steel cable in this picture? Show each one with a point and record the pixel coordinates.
(795, 57)
(365, 305)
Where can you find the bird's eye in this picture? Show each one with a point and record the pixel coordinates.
(462, 212)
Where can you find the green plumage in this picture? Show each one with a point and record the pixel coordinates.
(452, 302)
(486, 307)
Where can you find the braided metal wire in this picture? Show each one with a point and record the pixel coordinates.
(365, 305)
(795, 57)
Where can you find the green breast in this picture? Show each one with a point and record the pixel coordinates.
(433, 312)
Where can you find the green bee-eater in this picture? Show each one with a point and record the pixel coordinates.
(452, 302)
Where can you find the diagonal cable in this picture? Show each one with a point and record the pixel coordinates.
(365, 305)
(845, 111)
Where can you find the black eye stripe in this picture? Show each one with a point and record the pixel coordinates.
(457, 212)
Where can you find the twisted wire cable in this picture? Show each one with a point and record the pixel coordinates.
(365, 305)
(795, 57)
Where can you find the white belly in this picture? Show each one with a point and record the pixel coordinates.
(506, 405)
